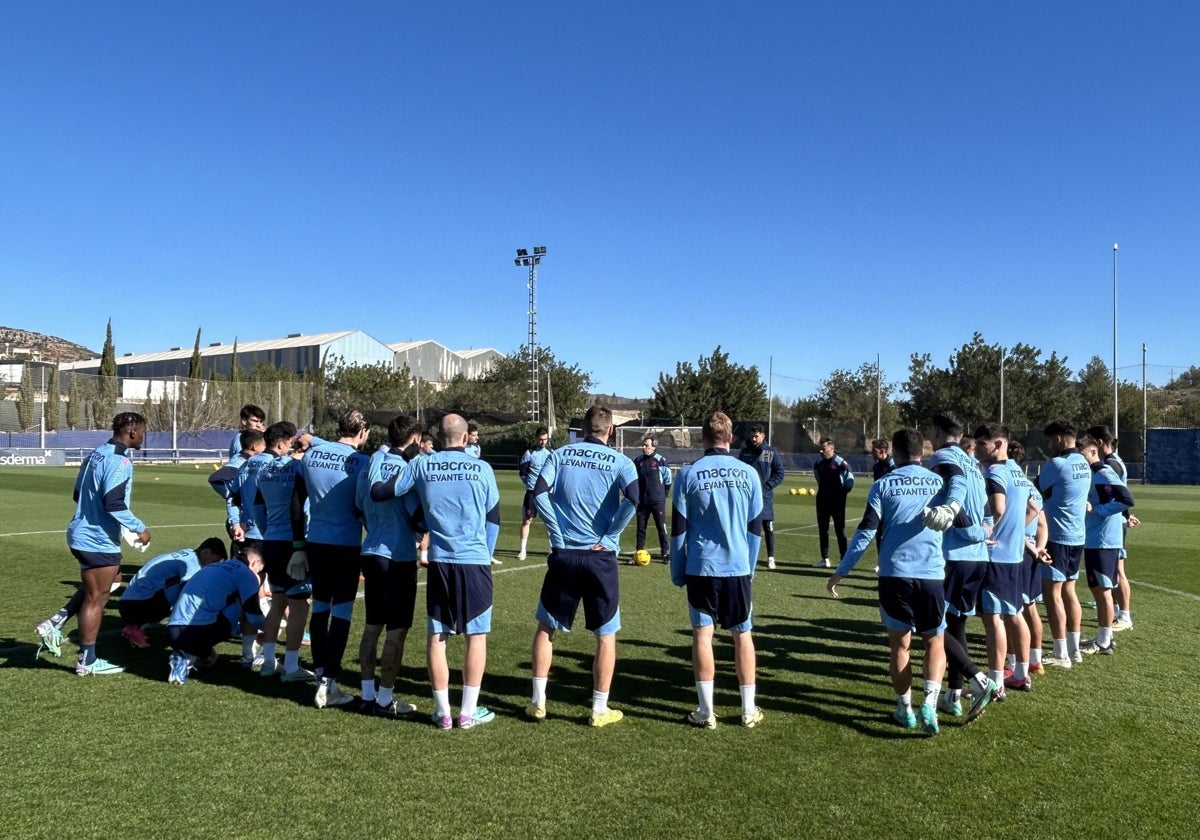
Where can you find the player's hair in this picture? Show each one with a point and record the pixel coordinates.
(1016, 450)
(991, 431)
(1084, 441)
(966, 442)
(1102, 434)
(1060, 427)
(400, 429)
(539, 431)
(248, 439)
(826, 440)
(880, 443)
(948, 423)
(214, 545)
(351, 422)
(717, 428)
(127, 420)
(757, 429)
(283, 430)
(597, 420)
(908, 444)
(427, 436)
(471, 427)
(249, 410)
(651, 439)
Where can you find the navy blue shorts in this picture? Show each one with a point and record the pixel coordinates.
(1101, 565)
(574, 575)
(334, 571)
(1003, 591)
(389, 591)
(1032, 569)
(961, 587)
(908, 605)
(458, 598)
(528, 508)
(199, 639)
(720, 599)
(1064, 562)
(96, 559)
(144, 611)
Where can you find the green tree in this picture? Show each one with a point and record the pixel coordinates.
(53, 401)
(713, 384)
(854, 399)
(505, 387)
(107, 387)
(75, 401)
(26, 399)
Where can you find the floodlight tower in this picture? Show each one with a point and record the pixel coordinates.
(524, 258)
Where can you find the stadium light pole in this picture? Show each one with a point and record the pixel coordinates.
(1145, 418)
(530, 261)
(1003, 352)
(1115, 426)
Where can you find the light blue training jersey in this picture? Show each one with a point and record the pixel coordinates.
(531, 464)
(1109, 496)
(895, 510)
(1008, 532)
(103, 488)
(716, 525)
(461, 501)
(275, 485)
(586, 493)
(243, 491)
(165, 573)
(330, 473)
(228, 588)
(1064, 482)
(966, 539)
(390, 528)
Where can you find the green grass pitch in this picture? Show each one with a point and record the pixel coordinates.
(1110, 749)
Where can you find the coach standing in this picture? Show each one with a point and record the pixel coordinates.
(769, 465)
(834, 482)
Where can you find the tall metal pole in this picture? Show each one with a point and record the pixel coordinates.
(1145, 416)
(878, 397)
(770, 399)
(1116, 421)
(1003, 353)
(531, 262)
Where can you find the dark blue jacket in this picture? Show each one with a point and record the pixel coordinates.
(770, 469)
(654, 477)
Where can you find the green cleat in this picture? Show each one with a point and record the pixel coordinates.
(905, 717)
(929, 721)
(49, 637)
(981, 699)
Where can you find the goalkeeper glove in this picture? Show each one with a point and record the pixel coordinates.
(941, 518)
(133, 539)
(297, 568)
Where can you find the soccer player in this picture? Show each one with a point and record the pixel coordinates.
(1036, 535)
(1120, 595)
(911, 571)
(1064, 482)
(252, 417)
(214, 601)
(426, 444)
(715, 532)
(389, 555)
(222, 480)
(586, 493)
(834, 482)
(153, 591)
(328, 481)
(269, 482)
(1001, 597)
(769, 466)
(528, 468)
(958, 510)
(461, 502)
(103, 489)
(472, 448)
(884, 463)
(654, 479)
(1108, 499)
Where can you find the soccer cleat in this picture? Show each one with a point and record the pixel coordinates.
(1018, 685)
(134, 634)
(536, 712)
(1057, 661)
(753, 719)
(178, 674)
(482, 715)
(496, 562)
(1000, 696)
(1008, 672)
(771, 564)
(99, 667)
(905, 717)
(328, 694)
(442, 721)
(392, 711)
(929, 721)
(981, 699)
(708, 721)
(1076, 657)
(823, 563)
(606, 717)
(1092, 646)
(1122, 624)
(270, 667)
(1038, 669)
(949, 704)
(49, 637)
(522, 556)
(306, 641)
(300, 675)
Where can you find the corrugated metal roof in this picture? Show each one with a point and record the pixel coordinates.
(220, 350)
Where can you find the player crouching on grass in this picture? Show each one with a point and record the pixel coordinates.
(217, 599)
(1104, 525)
(155, 589)
(911, 570)
(716, 529)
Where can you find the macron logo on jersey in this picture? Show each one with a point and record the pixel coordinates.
(716, 478)
(909, 485)
(454, 471)
(588, 459)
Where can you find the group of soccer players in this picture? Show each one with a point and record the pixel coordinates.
(960, 538)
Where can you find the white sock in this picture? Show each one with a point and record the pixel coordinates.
(368, 690)
(599, 702)
(524, 543)
(904, 701)
(1060, 648)
(1020, 670)
(539, 691)
(955, 694)
(268, 651)
(1073, 641)
(747, 698)
(424, 555)
(248, 646)
(384, 698)
(291, 660)
(470, 700)
(441, 702)
(1010, 661)
(996, 676)
(1104, 636)
(1035, 656)
(1124, 615)
(704, 691)
(932, 689)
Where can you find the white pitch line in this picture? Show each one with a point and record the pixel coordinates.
(156, 528)
(1168, 590)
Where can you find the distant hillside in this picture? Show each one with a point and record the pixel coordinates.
(48, 348)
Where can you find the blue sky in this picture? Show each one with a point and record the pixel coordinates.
(816, 183)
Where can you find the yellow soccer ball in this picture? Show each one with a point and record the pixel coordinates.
(641, 557)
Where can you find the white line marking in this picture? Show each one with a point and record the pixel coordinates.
(1165, 589)
(220, 525)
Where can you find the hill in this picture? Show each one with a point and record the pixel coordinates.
(48, 348)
